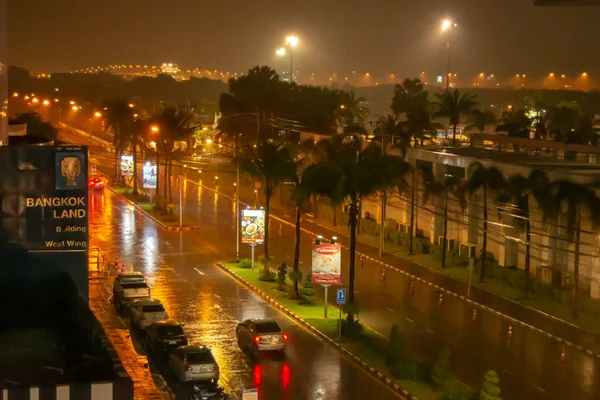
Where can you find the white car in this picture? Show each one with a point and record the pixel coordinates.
(146, 312)
(194, 363)
(261, 334)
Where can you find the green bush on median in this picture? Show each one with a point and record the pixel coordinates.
(246, 264)
(266, 275)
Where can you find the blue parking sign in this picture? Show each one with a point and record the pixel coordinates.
(341, 296)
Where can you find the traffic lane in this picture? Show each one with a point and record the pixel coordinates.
(451, 323)
(210, 304)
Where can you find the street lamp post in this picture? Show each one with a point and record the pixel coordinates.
(448, 26)
(291, 42)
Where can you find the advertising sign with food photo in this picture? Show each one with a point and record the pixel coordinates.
(126, 165)
(326, 263)
(253, 226)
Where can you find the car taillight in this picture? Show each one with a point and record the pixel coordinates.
(284, 336)
(257, 339)
(188, 367)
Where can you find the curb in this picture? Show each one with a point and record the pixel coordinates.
(160, 223)
(380, 376)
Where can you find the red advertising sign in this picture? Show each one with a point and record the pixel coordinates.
(326, 263)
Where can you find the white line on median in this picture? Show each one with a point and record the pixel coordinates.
(200, 272)
(409, 320)
(390, 310)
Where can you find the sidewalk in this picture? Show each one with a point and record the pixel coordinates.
(396, 256)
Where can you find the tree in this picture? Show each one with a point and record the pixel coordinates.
(353, 109)
(515, 123)
(576, 197)
(479, 119)
(349, 175)
(409, 96)
(117, 113)
(387, 130)
(452, 105)
(562, 120)
(491, 386)
(448, 185)
(36, 126)
(132, 136)
(175, 125)
(301, 196)
(481, 178)
(419, 126)
(519, 190)
(440, 370)
(271, 164)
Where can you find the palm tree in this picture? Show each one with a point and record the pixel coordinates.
(419, 126)
(350, 175)
(409, 96)
(482, 178)
(387, 128)
(453, 106)
(175, 125)
(576, 197)
(515, 123)
(117, 113)
(132, 137)
(301, 196)
(479, 119)
(271, 164)
(352, 110)
(449, 185)
(519, 190)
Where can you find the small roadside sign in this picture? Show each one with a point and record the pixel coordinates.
(471, 264)
(250, 394)
(93, 169)
(341, 296)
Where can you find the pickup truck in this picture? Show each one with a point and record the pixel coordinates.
(128, 288)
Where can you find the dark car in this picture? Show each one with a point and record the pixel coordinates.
(165, 335)
(261, 334)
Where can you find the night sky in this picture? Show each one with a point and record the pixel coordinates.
(378, 36)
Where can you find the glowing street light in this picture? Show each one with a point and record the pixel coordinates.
(131, 105)
(71, 102)
(448, 26)
(291, 41)
(15, 94)
(584, 74)
(35, 100)
(46, 102)
(97, 114)
(154, 128)
(280, 51)
(208, 141)
(74, 108)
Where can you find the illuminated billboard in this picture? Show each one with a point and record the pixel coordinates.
(253, 226)
(326, 263)
(126, 165)
(149, 176)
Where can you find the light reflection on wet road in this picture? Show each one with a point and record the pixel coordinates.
(210, 304)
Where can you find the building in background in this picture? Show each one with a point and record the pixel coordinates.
(3, 75)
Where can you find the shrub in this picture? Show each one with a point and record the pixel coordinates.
(369, 226)
(491, 386)
(308, 289)
(351, 328)
(281, 275)
(245, 263)
(263, 260)
(459, 394)
(391, 234)
(421, 245)
(267, 275)
(295, 276)
(402, 239)
(436, 251)
(440, 370)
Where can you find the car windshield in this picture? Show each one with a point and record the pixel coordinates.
(267, 327)
(153, 308)
(134, 285)
(203, 357)
(169, 330)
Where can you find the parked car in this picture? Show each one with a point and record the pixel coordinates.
(194, 363)
(261, 334)
(96, 184)
(128, 288)
(146, 312)
(165, 335)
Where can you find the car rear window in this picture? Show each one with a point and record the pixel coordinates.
(133, 278)
(267, 327)
(135, 285)
(203, 357)
(153, 308)
(169, 330)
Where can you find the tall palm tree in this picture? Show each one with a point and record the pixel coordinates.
(479, 119)
(576, 197)
(409, 96)
(272, 164)
(419, 126)
(175, 125)
(387, 129)
(117, 113)
(301, 196)
(132, 137)
(481, 178)
(353, 109)
(518, 193)
(448, 185)
(351, 175)
(515, 123)
(452, 105)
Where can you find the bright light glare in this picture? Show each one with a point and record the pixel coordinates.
(46, 102)
(154, 128)
(208, 141)
(74, 108)
(291, 41)
(446, 24)
(97, 114)
(280, 52)
(35, 100)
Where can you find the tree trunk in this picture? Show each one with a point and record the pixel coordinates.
(527, 248)
(353, 224)
(454, 135)
(157, 174)
(412, 213)
(297, 249)
(359, 214)
(268, 195)
(316, 206)
(165, 193)
(170, 168)
(116, 135)
(485, 227)
(335, 208)
(576, 264)
(135, 169)
(444, 240)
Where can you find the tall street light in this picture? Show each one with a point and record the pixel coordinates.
(291, 42)
(448, 27)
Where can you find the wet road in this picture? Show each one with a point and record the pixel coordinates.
(180, 270)
(530, 364)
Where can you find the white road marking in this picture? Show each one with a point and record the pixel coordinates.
(390, 310)
(539, 388)
(409, 320)
(429, 330)
(200, 272)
